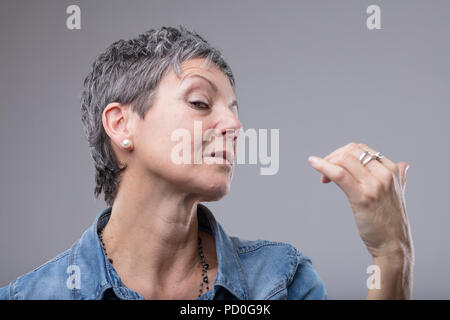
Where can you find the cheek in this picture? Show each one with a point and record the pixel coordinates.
(152, 148)
(156, 135)
(156, 147)
(160, 154)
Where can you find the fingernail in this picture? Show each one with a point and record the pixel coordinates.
(313, 160)
(406, 170)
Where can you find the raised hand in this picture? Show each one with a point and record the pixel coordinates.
(376, 195)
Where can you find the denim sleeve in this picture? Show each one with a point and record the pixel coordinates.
(4, 293)
(306, 283)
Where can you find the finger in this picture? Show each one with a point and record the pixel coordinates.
(325, 179)
(403, 167)
(385, 161)
(349, 160)
(380, 169)
(337, 151)
(347, 147)
(337, 174)
(371, 165)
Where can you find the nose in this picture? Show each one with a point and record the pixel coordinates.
(229, 124)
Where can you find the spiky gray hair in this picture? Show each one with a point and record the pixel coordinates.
(128, 72)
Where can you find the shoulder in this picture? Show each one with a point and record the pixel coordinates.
(278, 270)
(77, 273)
(47, 281)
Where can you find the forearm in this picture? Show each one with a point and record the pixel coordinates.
(396, 278)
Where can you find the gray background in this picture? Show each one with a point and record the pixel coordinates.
(310, 68)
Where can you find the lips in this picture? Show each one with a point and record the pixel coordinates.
(224, 154)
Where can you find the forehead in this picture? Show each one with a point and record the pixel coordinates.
(198, 66)
(192, 72)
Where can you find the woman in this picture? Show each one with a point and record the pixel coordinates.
(155, 240)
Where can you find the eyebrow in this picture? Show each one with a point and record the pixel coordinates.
(213, 86)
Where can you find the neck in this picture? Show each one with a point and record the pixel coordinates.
(152, 234)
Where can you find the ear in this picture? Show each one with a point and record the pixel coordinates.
(403, 167)
(115, 120)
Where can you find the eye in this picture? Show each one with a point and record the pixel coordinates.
(199, 104)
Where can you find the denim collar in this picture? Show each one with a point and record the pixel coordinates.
(230, 277)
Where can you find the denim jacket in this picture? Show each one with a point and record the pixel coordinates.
(256, 270)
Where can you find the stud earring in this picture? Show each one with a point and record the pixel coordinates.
(126, 143)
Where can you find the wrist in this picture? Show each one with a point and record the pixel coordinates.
(395, 254)
(396, 263)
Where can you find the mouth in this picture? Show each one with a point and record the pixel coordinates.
(226, 156)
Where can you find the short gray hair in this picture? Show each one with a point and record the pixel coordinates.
(128, 72)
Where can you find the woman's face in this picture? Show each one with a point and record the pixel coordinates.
(202, 98)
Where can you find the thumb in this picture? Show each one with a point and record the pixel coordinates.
(403, 166)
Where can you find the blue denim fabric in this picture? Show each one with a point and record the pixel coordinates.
(258, 270)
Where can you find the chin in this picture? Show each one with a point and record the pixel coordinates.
(216, 192)
(214, 189)
(210, 184)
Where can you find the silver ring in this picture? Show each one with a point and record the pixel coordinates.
(368, 160)
(379, 156)
(376, 156)
(363, 155)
